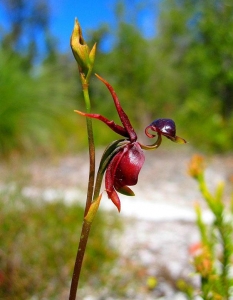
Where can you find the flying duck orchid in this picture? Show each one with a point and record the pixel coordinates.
(127, 156)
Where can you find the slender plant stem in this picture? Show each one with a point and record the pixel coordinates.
(82, 245)
(91, 150)
(86, 225)
(91, 180)
(79, 259)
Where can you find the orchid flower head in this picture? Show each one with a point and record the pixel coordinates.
(125, 165)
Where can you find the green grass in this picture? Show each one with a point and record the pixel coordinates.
(38, 244)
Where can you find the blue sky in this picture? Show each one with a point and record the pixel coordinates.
(91, 14)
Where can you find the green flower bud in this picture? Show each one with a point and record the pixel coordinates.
(82, 54)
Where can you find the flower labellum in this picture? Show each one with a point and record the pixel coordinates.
(166, 127)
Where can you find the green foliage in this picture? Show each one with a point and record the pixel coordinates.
(36, 110)
(38, 243)
(195, 37)
(212, 256)
(38, 92)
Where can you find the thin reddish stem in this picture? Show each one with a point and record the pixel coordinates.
(79, 259)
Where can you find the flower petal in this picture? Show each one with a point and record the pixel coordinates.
(122, 115)
(117, 128)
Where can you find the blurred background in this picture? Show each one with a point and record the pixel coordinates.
(166, 59)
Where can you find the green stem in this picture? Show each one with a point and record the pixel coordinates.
(226, 255)
(91, 154)
(86, 225)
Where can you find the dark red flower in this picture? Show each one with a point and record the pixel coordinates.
(123, 169)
